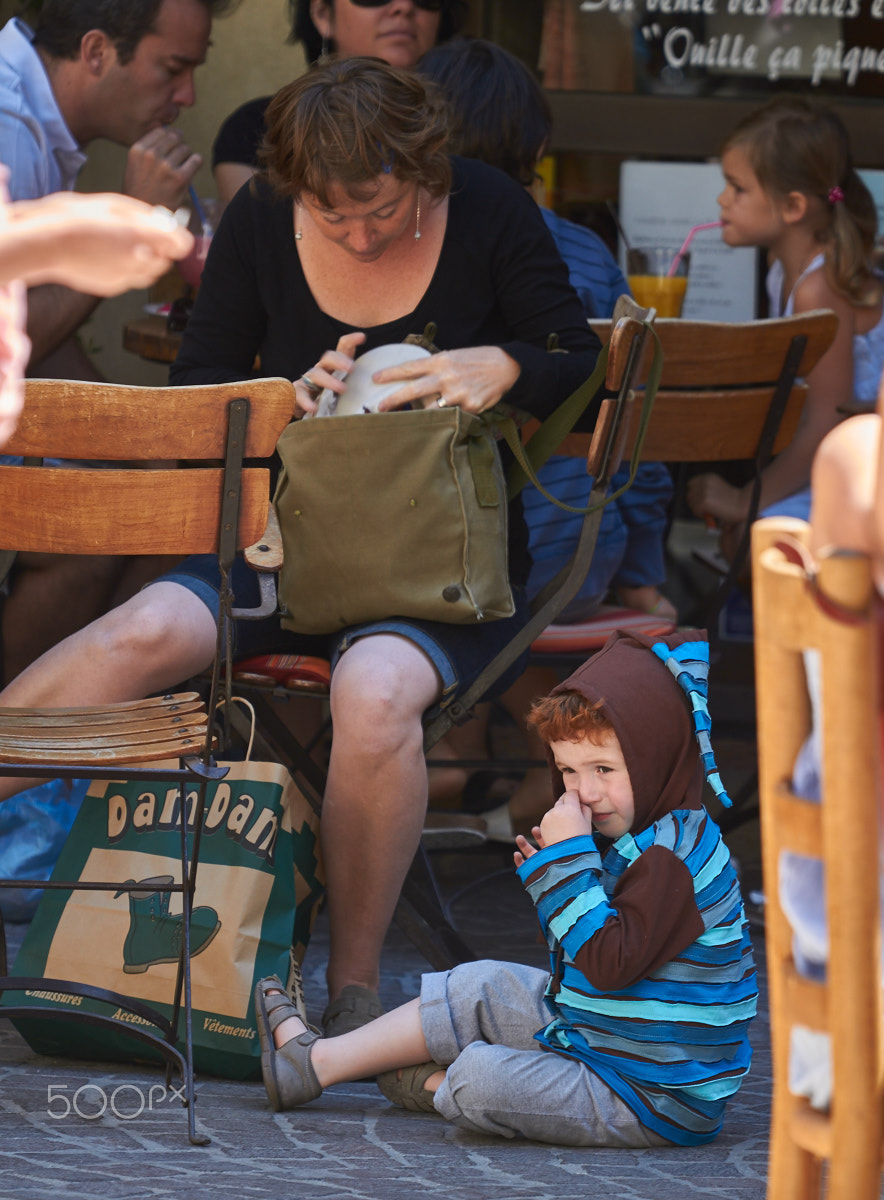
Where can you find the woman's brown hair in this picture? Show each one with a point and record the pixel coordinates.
(797, 145)
(349, 121)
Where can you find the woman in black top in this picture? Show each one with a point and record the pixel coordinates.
(398, 31)
(308, 265)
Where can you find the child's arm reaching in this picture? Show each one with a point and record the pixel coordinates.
(830, 387)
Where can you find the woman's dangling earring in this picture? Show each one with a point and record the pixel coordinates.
(324, 50)
(299, 233)
(417, 226)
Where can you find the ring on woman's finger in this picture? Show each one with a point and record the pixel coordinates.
(311, 384)
(441, 402)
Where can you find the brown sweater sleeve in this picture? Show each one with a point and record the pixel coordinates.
(655, 918)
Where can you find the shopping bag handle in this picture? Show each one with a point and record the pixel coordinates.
(247, 704)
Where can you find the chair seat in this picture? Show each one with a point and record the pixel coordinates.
(305, 672)
(295, 672)
(161, 727)
(592, 634)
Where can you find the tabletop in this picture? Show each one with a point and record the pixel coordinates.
(150, 338)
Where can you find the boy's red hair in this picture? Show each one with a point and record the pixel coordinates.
(569, 717)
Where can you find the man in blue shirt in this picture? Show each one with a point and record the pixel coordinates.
(88, 70)
(115, 69)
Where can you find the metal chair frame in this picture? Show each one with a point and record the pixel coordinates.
(197, 763)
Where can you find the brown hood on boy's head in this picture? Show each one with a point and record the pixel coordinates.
(652, 720)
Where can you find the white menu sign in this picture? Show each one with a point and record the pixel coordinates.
(659, 203)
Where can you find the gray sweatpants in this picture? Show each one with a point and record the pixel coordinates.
(479, 1021)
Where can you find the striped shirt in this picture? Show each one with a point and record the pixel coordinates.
(672, 1042)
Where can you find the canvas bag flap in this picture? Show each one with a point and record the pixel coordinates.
(392, 514)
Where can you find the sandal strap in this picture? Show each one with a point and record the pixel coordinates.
(278, 1006)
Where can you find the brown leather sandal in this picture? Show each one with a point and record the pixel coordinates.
(406, 1088)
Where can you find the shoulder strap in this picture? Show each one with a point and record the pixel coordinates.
(543, 443)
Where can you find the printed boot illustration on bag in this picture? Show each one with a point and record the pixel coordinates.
(154, 934)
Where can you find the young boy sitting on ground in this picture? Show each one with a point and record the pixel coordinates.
(638, 1035)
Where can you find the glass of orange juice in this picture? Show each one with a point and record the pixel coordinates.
(647, 270)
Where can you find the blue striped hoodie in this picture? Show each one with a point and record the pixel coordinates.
(652, 982)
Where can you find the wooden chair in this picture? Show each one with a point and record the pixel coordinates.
(728, 392)
(420, 912)
(215, 504)
(828, 611)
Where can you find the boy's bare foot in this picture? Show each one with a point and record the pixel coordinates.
(291, 1027)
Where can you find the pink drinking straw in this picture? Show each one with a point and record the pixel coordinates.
(684, 246)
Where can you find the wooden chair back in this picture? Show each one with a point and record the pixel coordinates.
(121, 509)
(718, 383)
(829, 612)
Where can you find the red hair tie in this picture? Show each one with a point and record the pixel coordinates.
(836, 195)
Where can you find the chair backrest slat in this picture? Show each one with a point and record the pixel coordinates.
(718, 382)
(726, 426)
(66, 419)
(706, 354)
(59, 511)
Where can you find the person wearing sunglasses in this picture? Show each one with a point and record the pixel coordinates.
(398, 31)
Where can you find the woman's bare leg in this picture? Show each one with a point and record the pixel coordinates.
(376, 796)
(162, 635)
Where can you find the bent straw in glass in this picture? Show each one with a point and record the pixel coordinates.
(684, 246)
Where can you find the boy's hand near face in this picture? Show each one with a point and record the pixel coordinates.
(566, 819)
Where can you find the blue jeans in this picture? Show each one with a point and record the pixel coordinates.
(629, 548)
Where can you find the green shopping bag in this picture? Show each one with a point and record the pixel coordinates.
(259, 883)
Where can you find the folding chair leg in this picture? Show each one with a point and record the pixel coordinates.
(188, 866)
(189, 1090)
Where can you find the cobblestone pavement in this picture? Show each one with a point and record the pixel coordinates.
(350, 1144)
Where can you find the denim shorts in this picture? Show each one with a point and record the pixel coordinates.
(459, 652)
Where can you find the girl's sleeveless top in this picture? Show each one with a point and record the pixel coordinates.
(868, 348)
